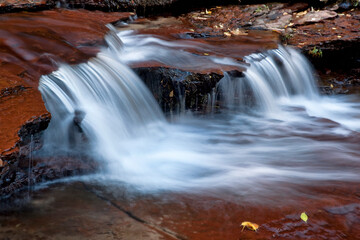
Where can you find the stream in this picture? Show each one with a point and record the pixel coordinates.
(268, 148)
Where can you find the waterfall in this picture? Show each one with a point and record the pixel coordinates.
(102, 108)
(96, 102)
(102, 102)
(274, 74)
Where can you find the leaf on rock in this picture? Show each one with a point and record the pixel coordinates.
(304, 217)
(249, 225)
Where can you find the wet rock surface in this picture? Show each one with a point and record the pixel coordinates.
(80, 219)
(177, 90)
(96, 212)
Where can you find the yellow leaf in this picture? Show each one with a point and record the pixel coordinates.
(332, 86)
(206, 54)
(304, 217)
(302, 13)
(250, 225)
(171, 94)
(238, 32)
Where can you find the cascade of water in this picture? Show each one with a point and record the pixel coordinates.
(102, 100)
(211, 99)
(114, 43)
(274, 74)
(104, 104)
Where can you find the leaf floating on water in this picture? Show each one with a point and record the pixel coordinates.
(250, 225)
(304, 217)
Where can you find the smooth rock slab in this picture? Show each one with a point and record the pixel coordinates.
(316, 16)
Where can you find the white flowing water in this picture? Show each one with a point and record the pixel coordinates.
(113, 101)
(271, 75)
(275, 127)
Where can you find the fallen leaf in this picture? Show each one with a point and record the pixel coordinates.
(332, 86)
(276, 30)
(302, 13)
(200, 18)
(227, 34)
(250, 225)
(171, 94)
(304, 217)
(238, 32)
(206, 54)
